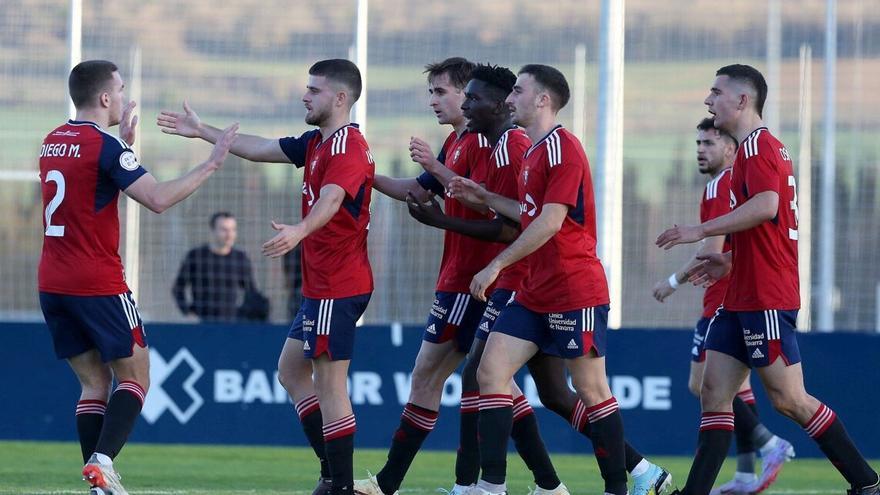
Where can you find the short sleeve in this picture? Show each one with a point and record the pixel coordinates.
(565, 178)
(719, 204)
(348, 170)
(430, 183)
(295, 147)
(760, 172)
(119, 163)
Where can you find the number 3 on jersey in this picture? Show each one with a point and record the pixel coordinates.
(793, 232)
(54, 230)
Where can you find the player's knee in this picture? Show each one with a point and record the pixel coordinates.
(694, 386)
(489, 379)
(712, 396)
(469, 376)
(787, 402)
(97, 385)
(557, 397)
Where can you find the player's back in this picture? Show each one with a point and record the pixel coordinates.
(80, 189)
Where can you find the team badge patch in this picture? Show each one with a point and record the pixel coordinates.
(128, 161)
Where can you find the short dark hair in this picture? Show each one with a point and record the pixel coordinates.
(709, 123)
(219, 216)
(457, 68)
(342, 71)
(87, 80)
(500, 78)
(751, 76)
(552, 80)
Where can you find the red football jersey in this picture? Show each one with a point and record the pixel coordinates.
(715, 203)
(82, 170)
(506, 166)
(765, 258)
(463, 256)
(564, 274)
(334, 258)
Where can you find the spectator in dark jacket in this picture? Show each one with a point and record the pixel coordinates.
(218, 275)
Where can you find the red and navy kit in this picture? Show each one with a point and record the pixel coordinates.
(83, 293)
(463, 256)
(337, 279)
(564, 274)
(563, 303)
(756, 323)
(765, 258)
(715, 203)
(506, 167)
(454, 313)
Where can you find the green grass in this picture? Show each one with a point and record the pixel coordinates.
(53, 468)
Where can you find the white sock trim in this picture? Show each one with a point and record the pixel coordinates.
(641, 468)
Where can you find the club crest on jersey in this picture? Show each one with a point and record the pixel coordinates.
(525, 176)
(732, 200)
(128, 161)
(314, 164)
(455, 156)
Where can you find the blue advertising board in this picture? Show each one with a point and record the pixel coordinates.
(217, 384)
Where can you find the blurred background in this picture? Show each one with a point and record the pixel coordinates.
(639, 95)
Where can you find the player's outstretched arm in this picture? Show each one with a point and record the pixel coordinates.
(541, 230)
(664, 288)
(159, 196)
(322, 211)
(399, 188)
(761, 208)
(429, 213)
(472, 194)
(188, 124)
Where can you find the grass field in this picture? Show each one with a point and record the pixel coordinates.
(52, 468)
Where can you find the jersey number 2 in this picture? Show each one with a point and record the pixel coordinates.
(54, 230)
(793, 232)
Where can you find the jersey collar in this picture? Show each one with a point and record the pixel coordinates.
(555, 128)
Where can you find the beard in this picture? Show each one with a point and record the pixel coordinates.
(317, 117)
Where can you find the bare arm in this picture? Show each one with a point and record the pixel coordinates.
(541, 230)
(471, 193)
(757, 210)
(398, 188)
(253, 148)
(159, 196)
(495, 230)
(290, 235)
(664, 289)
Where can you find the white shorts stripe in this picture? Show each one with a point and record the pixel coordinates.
(126, 310)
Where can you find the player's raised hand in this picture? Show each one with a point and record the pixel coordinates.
(466, 190)
(128, 124)
(483, 280)
(421, 153)
(186, 124)
(287, 238)
(428, 213)
(713, 268)
(680, 234)
(224, 142)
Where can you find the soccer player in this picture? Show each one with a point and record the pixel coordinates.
(90, 312)
(562, 305)
(755, 327)
(716, 150)
(337, 280)
(488, 114)
(454, 316)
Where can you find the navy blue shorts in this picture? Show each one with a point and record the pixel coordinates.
(454, 316)
(698, 351)
(499, 299)
(110, 324)
(326, 326)
(757, 338)
(567, 335)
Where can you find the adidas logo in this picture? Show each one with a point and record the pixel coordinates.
(306, 346)
(431, 329)
(572, 344)
(484, 326)
(757, 354)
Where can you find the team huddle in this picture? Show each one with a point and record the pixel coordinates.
(519, 284)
